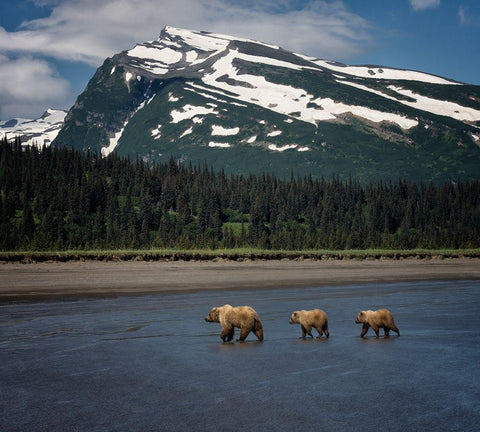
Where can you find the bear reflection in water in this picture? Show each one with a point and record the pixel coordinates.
(381, 318)
(243, 317)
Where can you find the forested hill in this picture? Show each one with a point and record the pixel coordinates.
(57, 198)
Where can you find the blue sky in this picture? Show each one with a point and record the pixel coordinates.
(49, 49)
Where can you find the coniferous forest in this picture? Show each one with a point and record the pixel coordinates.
(60, 199)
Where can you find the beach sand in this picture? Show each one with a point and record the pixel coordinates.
(92, 278)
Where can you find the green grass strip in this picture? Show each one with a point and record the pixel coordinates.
(229, 254)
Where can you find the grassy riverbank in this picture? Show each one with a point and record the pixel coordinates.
(230, 254)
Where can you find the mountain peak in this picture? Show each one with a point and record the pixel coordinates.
(201, 95)
(40, 131)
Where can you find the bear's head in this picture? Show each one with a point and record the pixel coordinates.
(361, 317)
(213, 315)
(294, 319)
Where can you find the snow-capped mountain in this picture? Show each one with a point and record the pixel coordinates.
(41, 131)
(245, 105)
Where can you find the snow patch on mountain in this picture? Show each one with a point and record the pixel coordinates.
(208, 41)
(166, 56)
(274, 133)
(187, 132)
(445, 108)
(214, 91)
(424, 103)
(274, 147)
(220, 130)
(217, 144)
(156, 133)
(172, 98)
(274, 62)
(379, 72)
(189, 112)
(288, 100)
(113, 142)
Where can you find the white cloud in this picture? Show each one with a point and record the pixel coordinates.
(28, 86)
(424, 4)
(462, 16)
(89, 30)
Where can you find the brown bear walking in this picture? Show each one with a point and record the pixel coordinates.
(381, 318)
(243, 317)
(312, 318)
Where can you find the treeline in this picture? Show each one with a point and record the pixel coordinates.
(60, 199)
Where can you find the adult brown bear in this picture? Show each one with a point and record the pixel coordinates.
(315, 318)
(381, 318)
(243, 317)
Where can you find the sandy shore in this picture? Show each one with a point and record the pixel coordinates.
(88, 279)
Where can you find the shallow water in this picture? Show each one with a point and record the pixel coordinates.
(152, 363)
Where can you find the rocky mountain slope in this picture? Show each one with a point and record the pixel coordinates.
(244, 105)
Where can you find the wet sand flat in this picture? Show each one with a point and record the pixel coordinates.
(91, 278)
(152, 363)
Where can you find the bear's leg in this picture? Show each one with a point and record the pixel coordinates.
(230, 335)
(364, 329)
(227, 333)
(387, 331)
(309, 330)
(325, 330)
(304, 332)
(375, 329)
(244, 331)
(320, 332)
(395, 329)
(258, 330)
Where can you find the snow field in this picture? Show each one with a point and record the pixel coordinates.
(287, 100)
(274, 133)
(217, 144)
(189, 112)
(220, 130)
(425, 103)
(36, 132)
(156, 133)
(274, 147)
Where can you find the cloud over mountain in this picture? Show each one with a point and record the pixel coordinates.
(73, 32)
(29, 85)
(424, 4)
(88, 31)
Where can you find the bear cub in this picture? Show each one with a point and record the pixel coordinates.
(243, 317)
(316, 318)
(381, 318)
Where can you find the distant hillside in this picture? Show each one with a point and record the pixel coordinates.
(38, 132)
